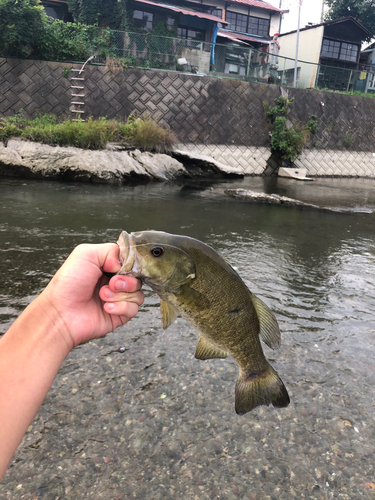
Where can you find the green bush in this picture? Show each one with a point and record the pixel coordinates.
(91, 134)
(148, 135)
(26, 31)
(68, 41)
(287, 139)
(111, 13)
(21, 27)
(312, 124)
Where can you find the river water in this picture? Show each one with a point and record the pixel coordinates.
(153, 422)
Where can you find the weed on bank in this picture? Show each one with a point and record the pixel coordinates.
(142, 133)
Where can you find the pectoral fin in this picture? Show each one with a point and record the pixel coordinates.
(205, 350)
(168, 313)
(269, 329)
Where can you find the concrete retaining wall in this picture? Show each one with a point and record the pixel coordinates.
(214, 117)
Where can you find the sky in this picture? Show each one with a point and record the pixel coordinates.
(311, 11)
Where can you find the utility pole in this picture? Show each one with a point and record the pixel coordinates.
(297, 45)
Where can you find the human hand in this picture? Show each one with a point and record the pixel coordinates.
(87, 303)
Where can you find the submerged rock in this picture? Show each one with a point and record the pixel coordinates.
(19, 158)
(273, 199)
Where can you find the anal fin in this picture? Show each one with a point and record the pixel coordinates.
(205, 350)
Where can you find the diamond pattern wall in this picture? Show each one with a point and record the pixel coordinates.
(215, 117)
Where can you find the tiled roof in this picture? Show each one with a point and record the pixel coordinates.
(258, 4)
(186, 12)
(333, 22)
(239, 37)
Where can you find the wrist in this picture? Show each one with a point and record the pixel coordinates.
(41, 326)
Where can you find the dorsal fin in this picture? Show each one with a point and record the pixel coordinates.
(268, 328)
(205, 350)
(168, 313)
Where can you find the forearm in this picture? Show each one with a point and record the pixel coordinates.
(78, 305)
(31, 353)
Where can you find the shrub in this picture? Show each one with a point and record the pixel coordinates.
(26, 30)
(312, 124)
(148, 135)
(91, 134)
(287, 139)
(21, 26)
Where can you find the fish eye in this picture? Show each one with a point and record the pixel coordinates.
(157, 251)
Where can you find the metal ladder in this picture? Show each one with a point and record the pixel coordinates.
(78, 95)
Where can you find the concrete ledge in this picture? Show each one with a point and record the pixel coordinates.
(299, 174)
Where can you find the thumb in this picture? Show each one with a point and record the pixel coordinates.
(108, 255)
(105, 256)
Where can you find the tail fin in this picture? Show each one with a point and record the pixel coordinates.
(254, 389)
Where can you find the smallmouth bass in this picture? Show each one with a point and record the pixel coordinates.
(192, 280)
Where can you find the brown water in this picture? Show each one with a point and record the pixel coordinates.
(153, 422)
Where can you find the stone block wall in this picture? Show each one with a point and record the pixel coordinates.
(222, 118)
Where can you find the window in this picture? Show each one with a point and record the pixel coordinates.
(330, 48)
(51, 12)
(170, 23)
(349, 52)
(190, 33)
(143, 20)
(247, 24)
(259, 26)
(57, 11)
(217, 13)
(235, 69)
(238, 22)
(339, 50)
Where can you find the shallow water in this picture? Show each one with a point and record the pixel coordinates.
(153, 422)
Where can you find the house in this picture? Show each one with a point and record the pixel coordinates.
(329, 53)
(367, 65)
(251, 22)
(214, 34)
(233, 27)
(193, 27)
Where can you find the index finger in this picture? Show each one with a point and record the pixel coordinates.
(123, 283)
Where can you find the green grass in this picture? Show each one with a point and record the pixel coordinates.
(356, 92)
(145, 134)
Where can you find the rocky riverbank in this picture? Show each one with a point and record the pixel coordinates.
(113, 165)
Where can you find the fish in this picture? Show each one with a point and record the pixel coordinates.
(195, 282)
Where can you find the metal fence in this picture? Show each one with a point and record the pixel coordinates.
(144, 50)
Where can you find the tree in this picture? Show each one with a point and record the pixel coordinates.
(21, 26)
(362, 10)
(104, 13)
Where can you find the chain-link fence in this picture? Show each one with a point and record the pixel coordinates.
(145, 50)
(119, 49)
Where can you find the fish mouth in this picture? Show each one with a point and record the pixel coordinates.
(128, 260)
